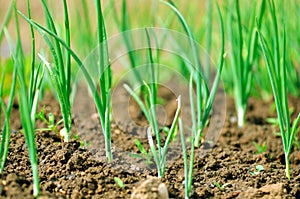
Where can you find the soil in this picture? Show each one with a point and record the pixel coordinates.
(70, 170)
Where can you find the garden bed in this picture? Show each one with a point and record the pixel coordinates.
(227, 171)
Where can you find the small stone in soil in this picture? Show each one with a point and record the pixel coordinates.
(70, 177)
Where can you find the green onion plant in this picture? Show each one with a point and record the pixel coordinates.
(158, 150)
(205, 111)
(200, 114)
(277, 70)
(60, 71)
(204, 98)
(27, 100)
(105, 80)
(36, 75)
(28, 128)
(241, 63)
(101, 100)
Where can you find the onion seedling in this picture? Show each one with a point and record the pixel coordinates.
(105, 81)
(27, 110)
(101, 100)
(28, 99)
(60, 71)
(204, 113)
(158, 151)
(277, 70)
(28, 128)
(204, 97)
(36, 75)
(242, 66)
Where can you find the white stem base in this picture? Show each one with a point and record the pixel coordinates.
(241, 117)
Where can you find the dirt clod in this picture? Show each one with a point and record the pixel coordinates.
(273, 191)
(151, 188)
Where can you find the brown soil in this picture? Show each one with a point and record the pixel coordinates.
(68, 170)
